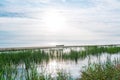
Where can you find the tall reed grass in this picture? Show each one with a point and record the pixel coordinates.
(109, 70)
(10, 60)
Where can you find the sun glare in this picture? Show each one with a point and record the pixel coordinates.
(54, 20)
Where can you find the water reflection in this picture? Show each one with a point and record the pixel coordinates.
(72, 66)
(71, 60)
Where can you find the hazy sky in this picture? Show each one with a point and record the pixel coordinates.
(51, 22)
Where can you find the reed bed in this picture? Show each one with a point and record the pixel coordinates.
(23, 57)
(11, 72)
(10, 60)
(91, 50)
(38, 56)
(109, 70)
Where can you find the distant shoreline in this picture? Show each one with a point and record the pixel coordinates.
(47, 47)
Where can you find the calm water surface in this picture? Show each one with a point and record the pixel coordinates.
(74, 67)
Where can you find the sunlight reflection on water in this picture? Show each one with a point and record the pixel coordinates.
(72, 66)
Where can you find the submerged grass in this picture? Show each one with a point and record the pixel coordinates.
(23, 57)
(110, 70)
(12, 73)
(91, 50)
(10, 60)
(38, 56)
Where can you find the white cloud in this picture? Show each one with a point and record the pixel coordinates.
(96, 24)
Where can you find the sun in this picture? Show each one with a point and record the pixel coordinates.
(54, 20)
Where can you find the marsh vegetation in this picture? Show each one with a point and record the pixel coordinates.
(83, 63)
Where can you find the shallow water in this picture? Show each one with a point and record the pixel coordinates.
(74, 67)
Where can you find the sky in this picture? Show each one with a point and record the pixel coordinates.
(26, 23)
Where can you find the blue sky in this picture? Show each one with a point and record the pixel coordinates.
(51, 22)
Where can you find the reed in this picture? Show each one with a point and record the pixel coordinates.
(23, 56)
(10, 60)
(11, 72)
(91, 50)
(102, 71)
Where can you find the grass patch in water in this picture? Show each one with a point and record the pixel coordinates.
(110, 70)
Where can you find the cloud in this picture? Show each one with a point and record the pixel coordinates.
(11, 14)
(22, 23)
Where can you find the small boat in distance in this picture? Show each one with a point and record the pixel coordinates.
(59, 45)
